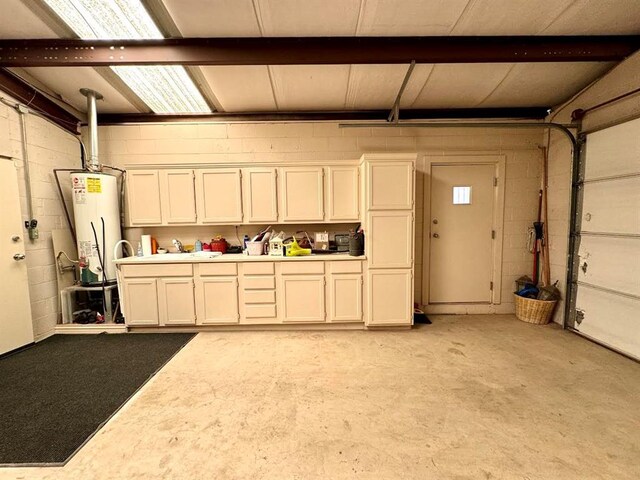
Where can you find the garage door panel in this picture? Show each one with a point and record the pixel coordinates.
(612, 206)
(613, 151)
(612, 263)
(610, 319)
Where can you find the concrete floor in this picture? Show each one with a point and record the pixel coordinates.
(468, 397)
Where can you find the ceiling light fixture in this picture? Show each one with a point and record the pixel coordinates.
(165, 89)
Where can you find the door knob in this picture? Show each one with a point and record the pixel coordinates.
(19, 256)
(435, 235)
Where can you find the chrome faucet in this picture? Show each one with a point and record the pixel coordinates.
(178, 244)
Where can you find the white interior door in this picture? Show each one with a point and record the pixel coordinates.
(16, 328)
(461, 228)
(608, 283)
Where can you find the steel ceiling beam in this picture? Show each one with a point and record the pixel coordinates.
(315, 50)
(36, 100)
(520, 113)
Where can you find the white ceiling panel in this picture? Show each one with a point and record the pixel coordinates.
(598, 17)
(543, 84)
(241, 88)
(460, 85)
(409, 17)
(374, 86)
(513, 17)
(18, 21)
(213, 18)
(67, 81)
(310, 87)
(307, 18)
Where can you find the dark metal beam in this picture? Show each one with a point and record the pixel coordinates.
(315, 50)
(25, 93)
(520, 113)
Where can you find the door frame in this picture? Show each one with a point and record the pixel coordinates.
(453, 159)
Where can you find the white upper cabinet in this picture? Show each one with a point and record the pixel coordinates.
(343, 194)
(390, 185)
(143, 197)
(177, 197)
(219, 196)
(259, 193)
(301, 194)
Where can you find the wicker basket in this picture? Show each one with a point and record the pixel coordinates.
(531, 310)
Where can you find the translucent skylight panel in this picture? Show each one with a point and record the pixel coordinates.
(107, 19)
(165, 89)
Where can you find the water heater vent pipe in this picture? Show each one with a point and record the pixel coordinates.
(93, 163)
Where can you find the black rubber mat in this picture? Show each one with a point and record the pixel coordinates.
(56, 394)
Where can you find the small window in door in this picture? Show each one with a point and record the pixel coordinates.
(462, 195)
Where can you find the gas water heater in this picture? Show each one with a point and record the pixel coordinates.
(96, 209)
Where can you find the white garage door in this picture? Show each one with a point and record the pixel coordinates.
(608, 290)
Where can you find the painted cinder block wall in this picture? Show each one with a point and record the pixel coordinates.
(624, 78)
(49, 147)
(208, 143)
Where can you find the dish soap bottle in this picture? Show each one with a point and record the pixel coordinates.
(198, 246)
(139, 249)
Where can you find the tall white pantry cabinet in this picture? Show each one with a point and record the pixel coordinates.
(389, 223)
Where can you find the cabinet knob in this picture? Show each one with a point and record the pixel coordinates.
(435, 235)
(19, 256)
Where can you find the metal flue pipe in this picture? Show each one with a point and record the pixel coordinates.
(93, 163)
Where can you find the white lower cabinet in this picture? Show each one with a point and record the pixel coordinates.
(141, 301)
(176, 301)
(302, 298)
(345, 298)
(390, 299)
(217, 300)
(260, 293)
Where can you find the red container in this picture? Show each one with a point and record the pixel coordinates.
(219, 245)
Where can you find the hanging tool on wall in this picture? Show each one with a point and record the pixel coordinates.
(538, 229)
(546, 265)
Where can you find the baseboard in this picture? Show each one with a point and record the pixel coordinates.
(41, 336)
(90, 328)
(470, 309)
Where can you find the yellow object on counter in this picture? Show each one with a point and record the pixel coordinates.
(294, 250)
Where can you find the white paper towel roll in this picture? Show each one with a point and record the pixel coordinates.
(146, 245)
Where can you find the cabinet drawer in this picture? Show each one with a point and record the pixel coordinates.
(164, 270)
(298, 268)
(260, 311)
(345, 267)
(218, 269)
(259, 283)
(259, 296)
(260, 268)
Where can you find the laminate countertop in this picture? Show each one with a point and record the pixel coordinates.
(208, 257)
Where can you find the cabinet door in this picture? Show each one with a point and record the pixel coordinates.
(141, 301)
(218, 196)
(177, 195)
(259, 195)
(143, 197)
(343, 194)
(390, 298)
(176, 301)
(390, 185)
(390, 239)
(302, 298)
(302, 194)
(345, 298)
(217, 300)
